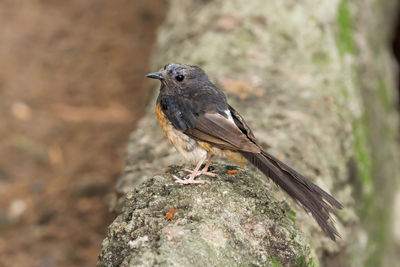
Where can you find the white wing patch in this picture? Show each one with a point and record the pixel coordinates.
(230, 118)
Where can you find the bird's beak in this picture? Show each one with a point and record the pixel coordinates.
(155, 75)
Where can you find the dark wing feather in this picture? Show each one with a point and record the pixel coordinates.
(301, 179)
(241, 124)
(211, 126)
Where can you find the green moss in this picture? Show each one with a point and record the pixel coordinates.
(301, 262)
(378, 216)
(362, 157)
(378, 238)
(311, 262)
(367, 133)
(383, 94)
(292, 215)
(275, 262)
(345, 40)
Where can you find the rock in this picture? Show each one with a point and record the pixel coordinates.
(230, 221)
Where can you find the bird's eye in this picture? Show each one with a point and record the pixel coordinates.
(179, 78)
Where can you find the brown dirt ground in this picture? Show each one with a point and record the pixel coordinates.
(71, 89)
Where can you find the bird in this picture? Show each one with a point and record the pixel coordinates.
(198, 121)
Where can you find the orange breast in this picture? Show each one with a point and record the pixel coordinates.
(186, 146)
(177, 138)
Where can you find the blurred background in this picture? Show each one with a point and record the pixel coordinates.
(72, 88)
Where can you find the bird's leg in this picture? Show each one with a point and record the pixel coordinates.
(192, 175)
(204, 171)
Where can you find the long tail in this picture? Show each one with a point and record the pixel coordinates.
(312, 198)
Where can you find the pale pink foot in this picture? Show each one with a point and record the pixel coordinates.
(196, 173)
(202, 172)
(190, 180)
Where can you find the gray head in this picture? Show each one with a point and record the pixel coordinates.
(180, 76)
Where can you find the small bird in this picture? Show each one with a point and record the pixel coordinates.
(198, 121)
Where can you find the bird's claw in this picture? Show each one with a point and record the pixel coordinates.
(210, 174)
(190, 180)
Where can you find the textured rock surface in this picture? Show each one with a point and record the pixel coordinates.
(294, 70)
(232, 220)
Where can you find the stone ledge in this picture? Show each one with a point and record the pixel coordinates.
(233, 220)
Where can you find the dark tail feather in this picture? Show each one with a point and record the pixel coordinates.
(312, 198)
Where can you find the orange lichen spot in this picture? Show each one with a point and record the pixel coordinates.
(170, 213)
(234, 171)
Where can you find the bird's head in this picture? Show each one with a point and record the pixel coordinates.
(180, 76)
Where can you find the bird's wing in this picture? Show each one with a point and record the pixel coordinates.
(222, 132)
(215, 123)
(241, 124)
